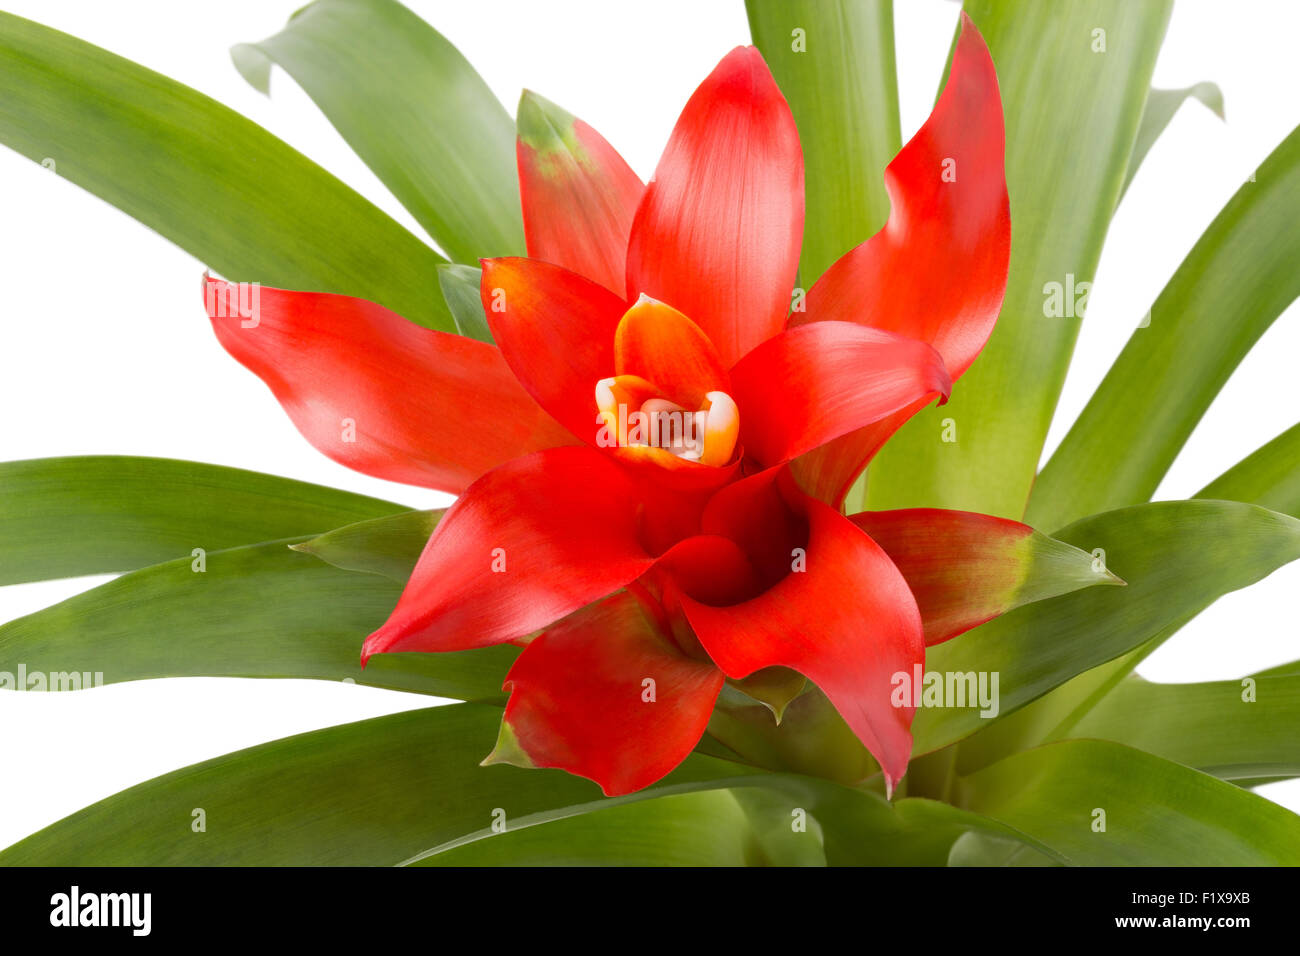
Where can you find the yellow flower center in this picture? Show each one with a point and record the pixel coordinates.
(633, 412)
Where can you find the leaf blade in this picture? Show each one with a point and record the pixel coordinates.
(1177, 557)
(389, 545)
(1160, 108)
(1234, 283)
(95, 514)
(1156, 812)
(1269, 476)
(1208, 726)
(843, 90)
(1072, 115)
(256, 611)
(416, 790)
(442, 142)
(217, 185)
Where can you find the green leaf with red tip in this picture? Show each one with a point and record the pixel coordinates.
(413, 108)
(389, 546)
(1177, 557)
(220, 187)
(578, 194)
(966, 568)
(66, 517)
(1269, 477)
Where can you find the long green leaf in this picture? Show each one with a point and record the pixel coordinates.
(258, 611)
(1072, 115)
(408, 787)
(1177, 557)
(1160, 109)
(1156, 813)
(1237, 279)
(389, 545)
(1232, 729)
(460, 287)
(688, 829)
(220, 187)
(980, 849)
(413, 108)
(1269, 476)
(65, 517)
(834, 61)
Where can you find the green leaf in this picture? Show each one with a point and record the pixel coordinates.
(1229, 728)
(65, 517)
(1269, 476)
(834, 61)
(980, 849)
(1072, 118)
(1160, 109)
(1237, 279)
(1177, 557)
(414, 789)
(689, 829)
(460, 289)
(220, 187)
(259, 611)
(389, 546)
(1157, 813)
(1266, 478)
(413, 109)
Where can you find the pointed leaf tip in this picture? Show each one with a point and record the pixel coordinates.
(253, 65)
(508, 751)
(542, 123)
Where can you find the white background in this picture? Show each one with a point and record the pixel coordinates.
(104, 346)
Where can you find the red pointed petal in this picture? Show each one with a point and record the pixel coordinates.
(578, 194)
(607, 695)
(847, 622)
(708, 567)
(755, 514)
(661, 345)
(718, 232)
(814, 383)
(938, 270)
(525, 545)
(556, 331)
(378, 393)
(966, 568)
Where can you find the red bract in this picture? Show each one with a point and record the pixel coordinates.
(652, 458)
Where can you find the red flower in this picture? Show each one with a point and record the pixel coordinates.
(652, 459)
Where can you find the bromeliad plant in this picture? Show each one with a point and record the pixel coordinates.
(663, 572)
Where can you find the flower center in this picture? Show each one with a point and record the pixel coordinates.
(633, 412)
